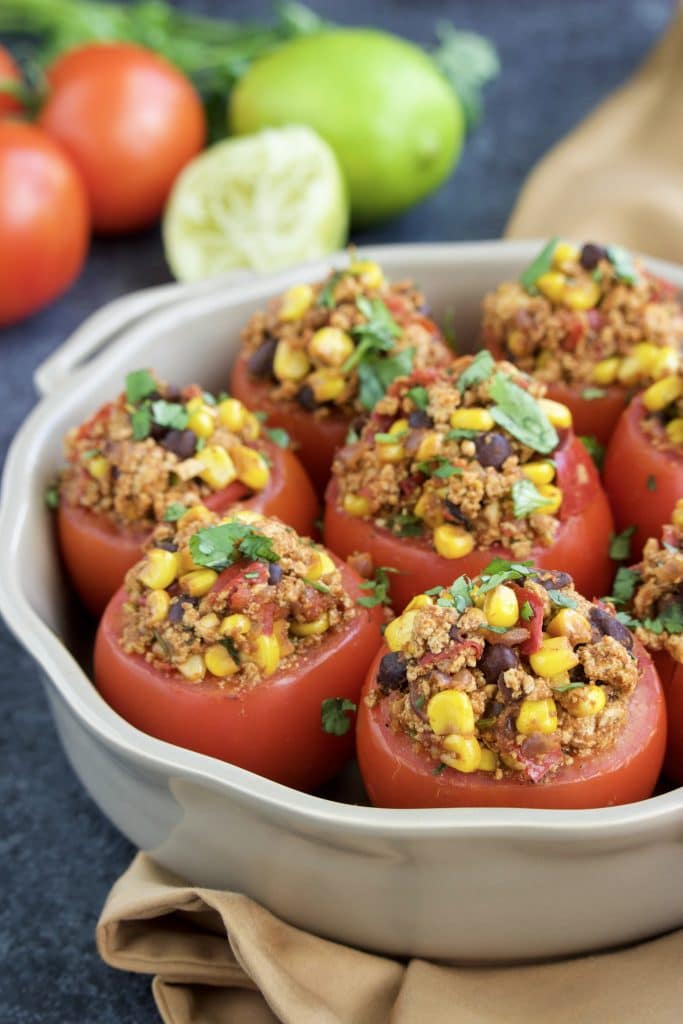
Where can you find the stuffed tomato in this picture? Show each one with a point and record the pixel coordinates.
(321, 356)
(460, 466)
(149, 455)
(592, 324)
(643, 470)
(510, 690)
(235, 638)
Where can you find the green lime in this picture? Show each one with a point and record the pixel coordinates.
(389, 114)
(265, 201)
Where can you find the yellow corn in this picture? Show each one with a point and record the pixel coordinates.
(186, 562)
(589, 700)
(677, 514)
(290, 363)
(158, 603)
(399, 631)
(572, 624)
(663, 393)
(450, 711)
(667, 361)
(511, 761)
(452, 541)
(419, 601)
(474, 418)
(552, 285)
(198, 582)
(629, 370)
(195, 404)
(537, 716)
(674, 430)
(193, 669)
(250, 466)
(330, 346)
(584, 294)
(565, 252)
(195, 514)
(218, 469)
(516, 342)
(555, 656)
(356, 505)
(605, 372)
(539, 472)
(430, 446)
(202, 423)
(462, 753)
(321, 565)
(646, 355)
(266, 653)
(557, 413)
(296, 301)
(252, 427)
(327, 385)
(98, 467)
(369, 272)
(390, 453)
(399, 426)
(554, 498)
(160, 569)
(218, 661)
(235, 625)
(489, 760)
(314, 628)
(231, 414)
(501, 607)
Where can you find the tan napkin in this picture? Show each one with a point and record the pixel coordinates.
(219, 958)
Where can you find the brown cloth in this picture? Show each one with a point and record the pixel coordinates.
(220, 958)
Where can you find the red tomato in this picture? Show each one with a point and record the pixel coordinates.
(580, 546)
(130, 121)
(274, 728)
(671, 674)
(44, 221)
(89, 541)
(643, 482)
(9, 72)
(396, 775)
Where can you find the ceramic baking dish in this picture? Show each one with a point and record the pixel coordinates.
(473, 885)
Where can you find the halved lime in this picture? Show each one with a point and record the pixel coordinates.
(263, 201)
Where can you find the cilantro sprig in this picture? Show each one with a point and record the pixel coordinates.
(519, 413)
(326, 297)
(594, 449)
(174, 511)
(591, 394)
(139, 384)
(279, 436)
(458, 595)
(419, 396)
(333, 715)
(622, 262)
(374, 339)
(500, 570)
(539, 266)
(479, 370)
(624, 586)
(217, 547)
(526, 499)
(377, 588)
(620, 544)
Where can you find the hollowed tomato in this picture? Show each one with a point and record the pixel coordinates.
(397, 775)
(274, 728)
(580, 547)
(643, 481)
(671, 674)
(98, 554)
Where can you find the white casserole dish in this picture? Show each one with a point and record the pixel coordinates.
(472, 885)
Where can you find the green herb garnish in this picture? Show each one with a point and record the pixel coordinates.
(440, 468)
(352, 436)
(170, 414)
(405, 524)
(173, 512)
(230, 647)
(326, 297)
(565, 687)
(139, 384)
(279, 436)
(594, 449)
(623, 264)
(590, 394)
(541, 265)
(479, 370)
(333, 716)
(376, 373)
(500, 570)
(624, 586)
(217, 547)
(458, 595)
(390, 438)
(317, 585)
(377, 587)
(620, 544)
(485, 723)
(651, 483)
(419, 396)
(51, 496)
(377, 334)
(526, 612)
(561, 600)
(526, 498)
(461, 434)
(141, 422)
(439, 768)
(521, 415)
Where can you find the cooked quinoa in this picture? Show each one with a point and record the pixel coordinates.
(514, 673)
(335, 346)
(235, 598)
(460, 458)
(156, 446)
(663, 402)
(591, 315)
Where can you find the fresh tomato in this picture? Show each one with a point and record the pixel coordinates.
(44, 221)
(580, 546)
(671, 674)
(130, 122)
(398, 775)
(273, 728)
(9, 72)
(643, 481)
(98, 554)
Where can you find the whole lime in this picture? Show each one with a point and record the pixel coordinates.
(392, 119)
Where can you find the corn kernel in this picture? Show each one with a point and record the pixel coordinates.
(290, 363)
(646, 355)
(570, 623)
(539, 472)
(314, 628)
(231, 414)
(462, 753)
(250, 466)
(674, 430)
(629, 370)
(511, 761)
(605, 372)
(267, 653)
(331, 346)
(399, 426)
(516, 342)
(327, 385)
(554, 497)
(186, 562)
(369, 272)
(552, 285)
(588, 701)
(452, 541)
(430, 446)
(663, 393)
(565, 252)
(356, 505)
(202, 423)
(554, 656)
(218, 469)
(537, 716)
(390, 453)
(193, 669)
(677, 514)
(489, 760)
(321, 565)
(195, 514)
(450, 711)
(419, 601)
(159, 569)
(472, 419)
(557, 413)
(667, 361)
(98, 467)
(582, 295)
(295, 302)
(235, 625)
(399, 631)
(158, 603)
(501, 607)
(198, 582)
(218, 661)
(195, 404)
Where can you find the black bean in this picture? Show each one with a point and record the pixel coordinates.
(606, 624)
(495, 660)
(181, 442)
(167, 545)
(492, 709)
(274, 573)
(157, 432)
(454, 632)
(419, 418)
(392, 674)
(306, 398)
(175, 613)
(492, 449)
(260, 363)
(455, 512)
(591, 254)
(553, 579)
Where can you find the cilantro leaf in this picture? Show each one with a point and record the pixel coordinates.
(651, 483)
(439, 769)
(460, 593)
(561, 600)
(419, 396)
(51, 496)
(141, 422)
(526, 498)
(326, 297)
(672, 619)
(173, 512)
(279, 436)
(376, 374)
(521, 415)
(170, 414)
(230, 647)
(378, 588)
(461, 433)
(333, 716)
(479, 370)
(594, 449)
(376, 334)
(566, 687)
(500, 570)
(217, 547)
(623, 264)
(589, 394)
(526, 612)
(624, 586)
(541, 265)
(383, 438)
(440, 468)
(405, 524)
(620, 544)
(139, 384)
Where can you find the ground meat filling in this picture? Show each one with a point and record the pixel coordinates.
(590, 316)
(460, 458)
(663, 403)
(157, 446)
(650, 595)
(336, 345)
(513, 673)
(233, 598)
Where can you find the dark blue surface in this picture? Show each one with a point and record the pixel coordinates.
(59, 855)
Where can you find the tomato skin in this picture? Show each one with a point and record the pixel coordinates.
(130, 122)
(9, 71)
(273, 729)
(395, 775)
(585, 513)
(98, 554)
(671, 674)
(44, 221)
(630, 461)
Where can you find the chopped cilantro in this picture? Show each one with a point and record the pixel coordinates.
(405, 524)
(352, 436)
(217, 547)
(141, 422)
(139, 384)
(279, 436)
(51, 496)
(526, 612)
(170, 414)
(597, 275)
(620, 544)
(376, 373)
(200, 444)
(458, 595)
(499, 570)
(461, 434)
(230, 647)
(333, 716)
(521, 415)
(317, 585)
(627, 620)
(541, 265)
(594, 449)
(439, 768)
(485, 723)
(251, 575)
(479, 370)
(376, 334)
(566, 687)
(326, 297)
(419, 396)
(561, 600)
(526, 498)
(651, 483)
(378, 588)
(173, 512)
(623, 264)
(91, 453)
(208, 398)
(624, 586)
(589, 394)
(390, 438)
(440, 468)
(668, 621)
